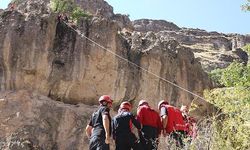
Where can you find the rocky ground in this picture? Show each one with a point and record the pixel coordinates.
(32, 121)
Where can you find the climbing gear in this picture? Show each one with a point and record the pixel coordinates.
(142, 102)
(126, 105)
(105, 98)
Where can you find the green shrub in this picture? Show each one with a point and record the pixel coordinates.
(246, 7)
(215, 75)
(236, 74)
(247, 49)
(233, 131)
(79, 13)
(60, 6)
(69, 7)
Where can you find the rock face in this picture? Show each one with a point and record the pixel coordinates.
(212, 49)
(37, 53)
(32, 121)
(145, 25)
(97, 7)
(44, 56)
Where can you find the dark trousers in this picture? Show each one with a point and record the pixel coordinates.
(98, 143)
(125, 142)
(178, 136)
(149, 138)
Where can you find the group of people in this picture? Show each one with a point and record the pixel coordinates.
(170, 121)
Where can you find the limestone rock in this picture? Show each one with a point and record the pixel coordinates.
(42, 55)
(96, 7)
(32, 121)
(145, 25)
(209, 47)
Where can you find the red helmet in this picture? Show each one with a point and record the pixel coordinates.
(105, 98)
(162, 102)
(126, 105)
(142, 102)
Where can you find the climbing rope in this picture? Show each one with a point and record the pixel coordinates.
(122, 58)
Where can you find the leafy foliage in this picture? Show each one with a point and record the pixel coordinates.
(246, 7)
(79, 13)
(247, 48)
(60, 6)
(233, 131)
(14, 1)
(216, 75)
(236, 74)
(68, 7)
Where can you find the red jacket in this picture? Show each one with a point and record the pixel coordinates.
(175, 119)
(191, 126)
(149, 117)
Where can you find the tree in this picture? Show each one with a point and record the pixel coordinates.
(78, 13)
(233, 130)
(246, 7)
(247, 48)
(62, 6)
(69, 7)
(236, 74)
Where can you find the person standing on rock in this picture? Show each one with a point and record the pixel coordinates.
(99, 127)
(122, 123)
(172, 122)
(151, 126)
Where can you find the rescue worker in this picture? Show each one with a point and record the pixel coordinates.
(190, 123)
(99, 127)
(172, 122)
(122, 123)
(151, 126)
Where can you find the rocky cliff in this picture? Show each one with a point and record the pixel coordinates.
(32, 121)
(212, 49)
(40, 54)
(41, 57)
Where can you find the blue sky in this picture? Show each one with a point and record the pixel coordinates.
(4, 3)
(212, 15)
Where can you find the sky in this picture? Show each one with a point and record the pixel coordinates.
(4, 3)
(223, 16)
(212, 15)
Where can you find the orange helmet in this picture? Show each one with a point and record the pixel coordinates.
(142, 102)
(105, 98)
(162, 102)
(126, 105)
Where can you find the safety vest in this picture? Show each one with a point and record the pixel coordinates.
(179, 121)
(148, 117)
(175, 119)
